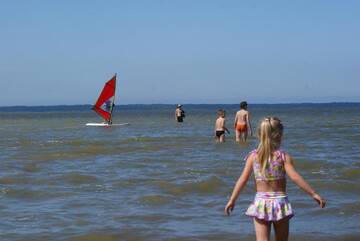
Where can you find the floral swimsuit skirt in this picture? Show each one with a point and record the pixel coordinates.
(270, 206)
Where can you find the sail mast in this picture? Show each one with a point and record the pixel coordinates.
(113, 103)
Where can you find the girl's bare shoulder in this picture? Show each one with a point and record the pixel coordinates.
(251, 156)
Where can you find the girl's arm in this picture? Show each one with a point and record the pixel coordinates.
(240, 184)
(297, 178)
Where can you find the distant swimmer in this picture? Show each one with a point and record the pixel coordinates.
(242, 123)
(220, 127)
(179, 114)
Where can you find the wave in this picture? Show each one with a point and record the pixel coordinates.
(78, 178)
(155, 200)
(208, 186)
(351, 173)
(32, 194)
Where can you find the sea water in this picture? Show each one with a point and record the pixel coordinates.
(156, 179)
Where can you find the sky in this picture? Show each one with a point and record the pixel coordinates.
(179, 51)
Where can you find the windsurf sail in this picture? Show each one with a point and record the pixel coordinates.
(104, 106)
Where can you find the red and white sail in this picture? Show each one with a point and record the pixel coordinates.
(105, 104)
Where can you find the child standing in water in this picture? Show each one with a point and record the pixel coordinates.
(242, 123)
(270, 164)
(220, 127)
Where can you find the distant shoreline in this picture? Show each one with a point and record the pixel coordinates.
(87, 107)
(162, 104)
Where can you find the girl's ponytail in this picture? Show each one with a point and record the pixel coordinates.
(269, 133)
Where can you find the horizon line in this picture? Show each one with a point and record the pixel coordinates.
(259, 103)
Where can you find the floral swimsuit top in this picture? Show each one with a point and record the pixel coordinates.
(274, 169)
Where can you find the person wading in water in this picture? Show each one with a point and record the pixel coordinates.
(179, 114)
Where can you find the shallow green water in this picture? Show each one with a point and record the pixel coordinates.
(159, 180)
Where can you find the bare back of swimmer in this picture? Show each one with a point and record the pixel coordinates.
(242, 123)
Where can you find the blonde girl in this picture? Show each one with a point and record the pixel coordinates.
(270, 165)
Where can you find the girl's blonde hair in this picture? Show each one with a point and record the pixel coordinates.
(269, 132)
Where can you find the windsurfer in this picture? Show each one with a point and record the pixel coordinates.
(104, 106)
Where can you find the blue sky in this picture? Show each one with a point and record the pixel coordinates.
(62, 52)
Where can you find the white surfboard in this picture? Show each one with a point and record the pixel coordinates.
(106, 124)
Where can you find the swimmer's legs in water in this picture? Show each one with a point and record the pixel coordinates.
(237, 135)
(241, 136)
(222, 138)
